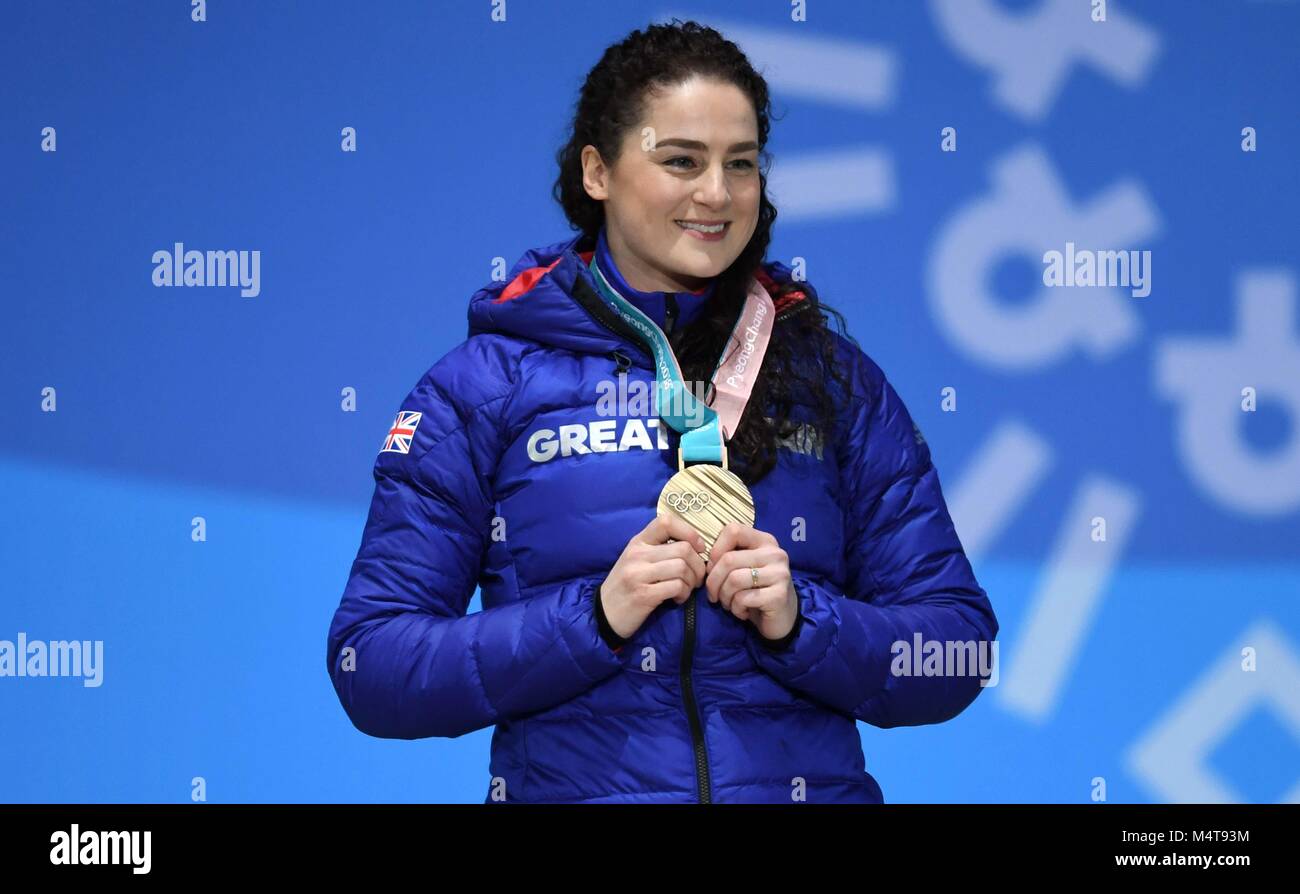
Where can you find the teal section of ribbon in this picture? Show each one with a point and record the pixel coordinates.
(697, 421)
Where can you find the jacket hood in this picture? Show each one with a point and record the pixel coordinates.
(549, 297)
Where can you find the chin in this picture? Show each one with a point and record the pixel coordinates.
(701, 271)
(705, 259)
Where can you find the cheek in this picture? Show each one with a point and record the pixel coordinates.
(644, 198)
(658, 207)
(751, 213)
(660, 194)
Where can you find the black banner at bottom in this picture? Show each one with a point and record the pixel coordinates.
(366, 841)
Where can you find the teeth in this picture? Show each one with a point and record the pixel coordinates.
(716, 228)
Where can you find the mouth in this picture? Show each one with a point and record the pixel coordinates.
(706, 230)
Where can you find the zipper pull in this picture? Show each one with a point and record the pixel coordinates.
(624, 361)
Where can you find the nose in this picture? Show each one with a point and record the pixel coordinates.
(711, 188)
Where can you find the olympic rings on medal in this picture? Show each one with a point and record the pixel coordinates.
(687, 501)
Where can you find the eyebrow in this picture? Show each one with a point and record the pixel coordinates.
(696, 144)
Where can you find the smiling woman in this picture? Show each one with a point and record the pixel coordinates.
(693, 607)
(683, 198)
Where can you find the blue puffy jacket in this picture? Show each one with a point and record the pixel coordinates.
(501, 472)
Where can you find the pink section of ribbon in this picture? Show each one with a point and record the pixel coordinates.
(733, 380)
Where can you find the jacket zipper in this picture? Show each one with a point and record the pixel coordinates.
(670, 312)
(703, 788)
(703, 785)
(791, 311)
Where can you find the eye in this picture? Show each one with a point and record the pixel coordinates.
(745, 164)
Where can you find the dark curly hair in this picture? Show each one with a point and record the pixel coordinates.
(801, 354)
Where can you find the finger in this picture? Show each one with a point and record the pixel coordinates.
(726, 564)
(739, 579)
(736, 535)
(738, 607)
(664, 590)
(713, 579)
(736, 579)
(695, 561)
(725, 542)
(742, 611)
(685, 568)
(669, 566)
(674, 527)
(764, 599)
(655, 531)
(678, 549)
(726, 597)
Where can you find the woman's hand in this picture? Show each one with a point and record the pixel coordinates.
(661, 562)
(773, 605)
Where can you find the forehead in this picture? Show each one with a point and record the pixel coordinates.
(697, 108)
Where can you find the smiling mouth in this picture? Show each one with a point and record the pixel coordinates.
(714, 229)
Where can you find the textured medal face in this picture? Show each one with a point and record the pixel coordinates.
(709, 498)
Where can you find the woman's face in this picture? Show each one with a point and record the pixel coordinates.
(697, 162)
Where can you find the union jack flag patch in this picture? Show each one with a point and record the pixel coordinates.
(401, 434)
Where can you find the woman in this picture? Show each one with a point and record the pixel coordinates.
(615, 662)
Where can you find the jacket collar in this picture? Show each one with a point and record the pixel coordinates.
(688, 304)
(548, 296)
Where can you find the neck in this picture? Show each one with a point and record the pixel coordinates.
(640, 275)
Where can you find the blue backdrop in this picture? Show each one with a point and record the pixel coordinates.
(1161, 663)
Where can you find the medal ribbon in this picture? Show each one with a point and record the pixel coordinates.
(705, 428)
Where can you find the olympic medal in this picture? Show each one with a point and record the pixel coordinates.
(708, 497)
